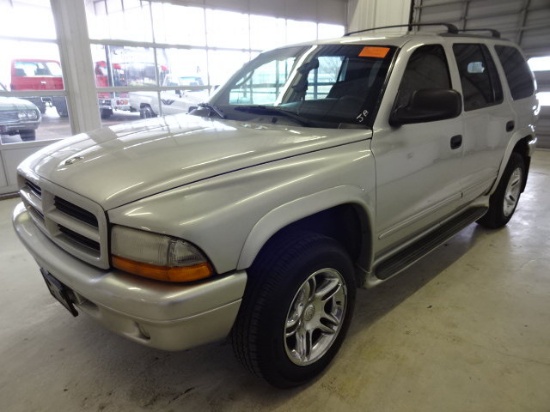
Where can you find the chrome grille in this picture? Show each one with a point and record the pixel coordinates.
(73, 222)
(9, 116)
(75, 211)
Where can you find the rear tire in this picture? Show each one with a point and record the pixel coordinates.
(503, 202)
(296, 310)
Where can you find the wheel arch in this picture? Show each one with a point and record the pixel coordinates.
(349, 221)
(525, 147)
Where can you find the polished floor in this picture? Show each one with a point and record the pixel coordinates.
(465, 329)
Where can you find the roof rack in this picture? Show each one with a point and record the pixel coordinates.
(451, 28)
(494, 33)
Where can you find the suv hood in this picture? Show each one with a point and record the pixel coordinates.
(120, 164)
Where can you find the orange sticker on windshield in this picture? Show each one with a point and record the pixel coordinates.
(376, 52)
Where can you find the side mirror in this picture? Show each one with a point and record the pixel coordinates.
(428, 105)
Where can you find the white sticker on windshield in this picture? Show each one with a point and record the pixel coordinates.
(362, 116)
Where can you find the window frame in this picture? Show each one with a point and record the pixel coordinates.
(493, 77)
(509, 73)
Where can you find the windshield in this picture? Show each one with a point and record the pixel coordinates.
(315, 86)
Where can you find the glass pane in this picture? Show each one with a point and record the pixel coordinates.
(330, 31)
(544, 98)
(266, 32)
(264, 84)
(183, 63)
(26, 19)
(31, 82)
(517, 72)
(187, 73)
(299, 31)
(122, 20)
(178, 24)
(21, 119)
(321, 79)
(227, 29)
(539, 64)
(480, 83)
(222, 64)
(125, 66)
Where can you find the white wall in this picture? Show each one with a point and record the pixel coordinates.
(364, 14)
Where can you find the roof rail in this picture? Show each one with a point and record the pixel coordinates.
(451, 28)
(494, 33)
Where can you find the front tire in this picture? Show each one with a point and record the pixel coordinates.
(296, 310)
(27, 135)
(504, 201)
(146, 112)
(106, 113)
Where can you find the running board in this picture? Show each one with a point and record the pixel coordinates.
(426, 244)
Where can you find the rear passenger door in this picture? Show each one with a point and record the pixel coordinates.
(488, 119)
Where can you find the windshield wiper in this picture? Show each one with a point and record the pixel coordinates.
(274, 111)
(213, 109)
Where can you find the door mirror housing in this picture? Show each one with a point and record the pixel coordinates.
(428, 105)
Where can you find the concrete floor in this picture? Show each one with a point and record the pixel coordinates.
(465, 329)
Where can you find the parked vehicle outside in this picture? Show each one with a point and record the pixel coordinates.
(19, 116)
(179, 100)
(39, 74)
(109, 102)
(315, 170)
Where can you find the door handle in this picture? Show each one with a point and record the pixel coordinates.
(510, 126)
(456, 141)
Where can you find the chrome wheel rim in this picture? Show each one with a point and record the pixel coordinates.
(315, 317)
(512, 192)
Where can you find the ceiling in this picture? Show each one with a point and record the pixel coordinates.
(524, 21)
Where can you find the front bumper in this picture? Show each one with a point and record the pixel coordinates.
(156, 314)
(16, 127)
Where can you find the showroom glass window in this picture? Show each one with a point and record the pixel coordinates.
(155, 58)
(541, 67)
(33, 105)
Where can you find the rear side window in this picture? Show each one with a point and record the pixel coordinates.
(517, 72)
(478, 75)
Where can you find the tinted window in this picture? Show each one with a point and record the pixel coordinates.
(427, 69)
(478, 75)
(517, 72)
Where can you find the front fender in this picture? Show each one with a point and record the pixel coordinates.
(230, 216)
(298, 209)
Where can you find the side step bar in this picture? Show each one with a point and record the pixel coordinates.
(420, 248)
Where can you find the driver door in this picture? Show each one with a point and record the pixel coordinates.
(418, 166)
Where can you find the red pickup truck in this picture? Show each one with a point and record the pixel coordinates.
(39, 74)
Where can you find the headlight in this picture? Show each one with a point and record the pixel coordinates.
(32, 114)
(27, 115)
(157, 256)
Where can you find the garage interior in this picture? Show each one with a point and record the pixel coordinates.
(464, 329)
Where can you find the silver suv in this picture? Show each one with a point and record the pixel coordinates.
(317, 169)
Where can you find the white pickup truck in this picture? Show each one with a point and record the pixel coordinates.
(188, 92)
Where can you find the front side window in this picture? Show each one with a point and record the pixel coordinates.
(517, 72)
(478, 75)
(326, 85)
(427, 69)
